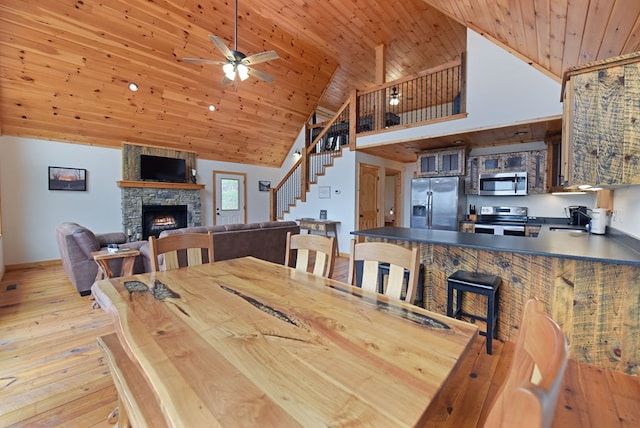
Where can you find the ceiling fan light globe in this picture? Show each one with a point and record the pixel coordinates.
(394, 101)
(243, 71)
(229, 71)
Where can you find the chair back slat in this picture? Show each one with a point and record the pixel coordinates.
(370, 275)
(398, 259)
(317, 249)
(190, 244)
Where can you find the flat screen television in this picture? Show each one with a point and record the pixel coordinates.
(160, 168)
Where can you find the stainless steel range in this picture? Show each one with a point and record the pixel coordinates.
(502, 221)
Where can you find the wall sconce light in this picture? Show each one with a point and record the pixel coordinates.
(297, 154)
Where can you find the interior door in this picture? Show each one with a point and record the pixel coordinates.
(229, 199)
(368, 188)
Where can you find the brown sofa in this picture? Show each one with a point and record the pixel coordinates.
(76, 243)
(266, 240)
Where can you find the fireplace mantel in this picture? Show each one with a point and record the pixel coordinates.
(160, 185)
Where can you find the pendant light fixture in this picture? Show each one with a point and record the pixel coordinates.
(395, 97)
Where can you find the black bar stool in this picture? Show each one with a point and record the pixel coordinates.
(479, 283)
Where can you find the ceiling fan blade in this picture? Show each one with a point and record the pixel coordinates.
(204, 61)
(260, 57)
(219, 43)
(261, 75)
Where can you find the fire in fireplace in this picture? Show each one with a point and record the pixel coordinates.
(156, 218)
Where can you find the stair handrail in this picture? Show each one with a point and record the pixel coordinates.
(301, 166)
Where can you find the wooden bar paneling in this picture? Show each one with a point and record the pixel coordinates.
(596, 304)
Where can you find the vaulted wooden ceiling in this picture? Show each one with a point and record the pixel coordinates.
(65, 64)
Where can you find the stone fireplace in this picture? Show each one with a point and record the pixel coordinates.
(135, 198)
(137, 193)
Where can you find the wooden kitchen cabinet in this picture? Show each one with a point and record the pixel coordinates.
(515, 162)
(467, 226)
(534, 162)
(532, 230)
(601, 133)
(489, 164)
(471, 179)
(441, 162)
(537, 175)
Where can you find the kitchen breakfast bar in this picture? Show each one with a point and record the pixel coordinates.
(590, 284)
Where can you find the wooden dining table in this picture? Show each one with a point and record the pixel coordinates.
(245, 342)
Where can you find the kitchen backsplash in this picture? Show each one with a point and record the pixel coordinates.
(543, 205)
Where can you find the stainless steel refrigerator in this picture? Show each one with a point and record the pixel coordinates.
(437, 202)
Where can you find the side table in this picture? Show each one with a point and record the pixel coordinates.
(103, 257)
(324, 226)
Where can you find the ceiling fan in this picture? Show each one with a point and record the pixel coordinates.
(238, 65)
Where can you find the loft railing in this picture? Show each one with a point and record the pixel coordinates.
(430, 96)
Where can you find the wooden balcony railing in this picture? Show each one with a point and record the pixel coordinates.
(430, 96)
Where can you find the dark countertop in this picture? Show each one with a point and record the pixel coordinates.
(608, 248)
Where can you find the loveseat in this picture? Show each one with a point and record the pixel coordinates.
(266, 240)
(76, 243)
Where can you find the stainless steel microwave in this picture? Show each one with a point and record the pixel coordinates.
(503, 184)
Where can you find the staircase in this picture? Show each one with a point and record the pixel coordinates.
(425, 97)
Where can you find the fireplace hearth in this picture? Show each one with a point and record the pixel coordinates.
(156, 218)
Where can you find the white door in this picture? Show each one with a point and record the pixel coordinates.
(229, 199)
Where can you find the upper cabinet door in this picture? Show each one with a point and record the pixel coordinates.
(601, 130)
(490, 164)
(515, 162)
(537, 172)
(441, 162)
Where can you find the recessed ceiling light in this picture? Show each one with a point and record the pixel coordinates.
(133, 86)
(212, 107)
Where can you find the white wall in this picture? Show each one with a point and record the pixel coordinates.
(626, 206)
(501, 89)
(30, 212)
(257, 202)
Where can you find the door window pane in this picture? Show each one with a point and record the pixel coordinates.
(229, 200)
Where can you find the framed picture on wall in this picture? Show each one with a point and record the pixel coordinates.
(74, 179)
(264, 185)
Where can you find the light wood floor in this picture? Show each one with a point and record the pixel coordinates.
(52, 374)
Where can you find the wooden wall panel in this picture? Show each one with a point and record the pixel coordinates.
(631, 145)
(629, 289)
(597, 305)
(131, 159)
(611, 87)
(563, 293)
(585, 143)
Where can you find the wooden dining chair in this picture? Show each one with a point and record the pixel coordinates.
(398, 259)
(317, 249)
(528, 397)
(181, 249)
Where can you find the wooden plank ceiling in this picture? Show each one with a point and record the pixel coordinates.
(65, 64)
